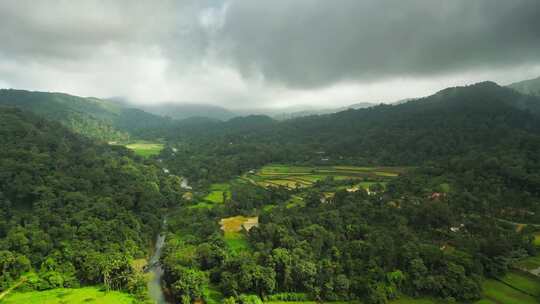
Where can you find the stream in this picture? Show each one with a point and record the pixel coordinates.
(155, 290)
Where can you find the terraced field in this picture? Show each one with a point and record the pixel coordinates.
(302, 176)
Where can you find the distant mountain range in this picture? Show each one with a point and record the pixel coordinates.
(179, 111)
(116, 119)
(451, 122)
(182, 111)
(530, 87)
(288, 115)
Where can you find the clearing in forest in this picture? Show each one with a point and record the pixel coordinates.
(232, 227)
(145, 148)
(303, 176)
(236, 223)
(218, 193)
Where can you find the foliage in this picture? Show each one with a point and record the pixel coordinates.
(72, 211)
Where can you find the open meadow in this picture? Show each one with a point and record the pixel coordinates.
(86, 295)
(144, 148)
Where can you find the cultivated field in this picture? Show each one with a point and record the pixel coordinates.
(69, 295)
(498, 292)
(218, 192)
(232, 227)
(302, 176)
(145, 149)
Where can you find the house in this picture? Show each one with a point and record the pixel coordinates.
(436, 196)
(457, 228)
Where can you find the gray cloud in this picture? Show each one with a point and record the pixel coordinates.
(312, 43)
(243, 53)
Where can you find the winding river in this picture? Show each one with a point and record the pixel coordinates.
(155, 290)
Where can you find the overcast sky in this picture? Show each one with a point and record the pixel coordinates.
(248, 54)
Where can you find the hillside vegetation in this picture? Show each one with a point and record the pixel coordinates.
(73, 212)
(530, 87)
(91, 117)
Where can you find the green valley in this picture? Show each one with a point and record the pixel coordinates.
(280, 152)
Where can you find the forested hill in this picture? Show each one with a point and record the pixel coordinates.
(454, 122)
(530, 87)
(92, 117)
(72, 211)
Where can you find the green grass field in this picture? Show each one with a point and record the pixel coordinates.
(529, 263)
(401, 300)
(86, 295)
(217, 192)
(215, 197)
(145, 149)
(523, 281)
(498, 292)
(232, 234)
(236, 241)
(408, 300)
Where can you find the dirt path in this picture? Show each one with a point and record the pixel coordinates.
(7, 291)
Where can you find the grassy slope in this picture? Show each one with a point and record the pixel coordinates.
(86, 295)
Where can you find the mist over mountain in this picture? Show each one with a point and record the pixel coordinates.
(530, 87)
(276, 152)
(183, 111)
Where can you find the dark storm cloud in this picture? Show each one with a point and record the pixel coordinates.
(261, 53)
(312, 43)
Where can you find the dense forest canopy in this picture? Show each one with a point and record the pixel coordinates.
(453, 122)
(80, 212)
(95, 118)
(72, 211)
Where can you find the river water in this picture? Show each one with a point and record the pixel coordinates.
(155, 290)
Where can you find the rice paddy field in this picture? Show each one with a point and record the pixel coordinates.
(303, 176)
(232, 227)
(145, 149)
(498, 292)
(86, 295)
(217, 193)
(529, 263)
